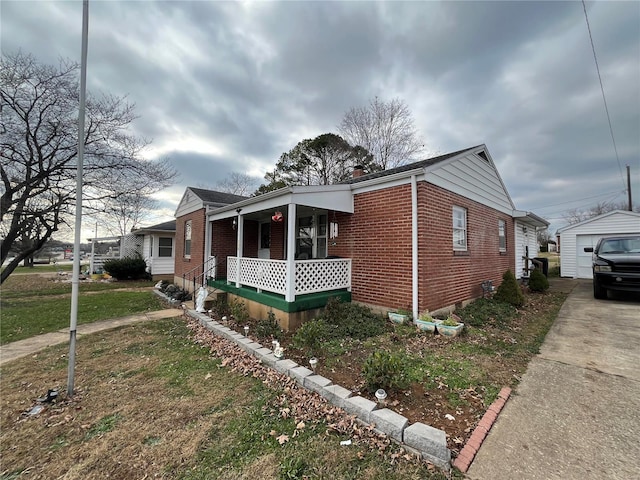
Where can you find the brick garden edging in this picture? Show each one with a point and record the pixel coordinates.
(429, 442)
(468, 453)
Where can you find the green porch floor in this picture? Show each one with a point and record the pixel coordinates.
(301, 303)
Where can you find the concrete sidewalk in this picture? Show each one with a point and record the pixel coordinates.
(29, 346)
(575, 414)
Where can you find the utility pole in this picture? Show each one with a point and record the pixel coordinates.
(75, 282)
(629, 188)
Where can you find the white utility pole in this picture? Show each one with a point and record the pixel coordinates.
(75, 283)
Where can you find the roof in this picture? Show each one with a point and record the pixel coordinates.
(169, 226)
(410, 166)
(600, 217)
(214, 197)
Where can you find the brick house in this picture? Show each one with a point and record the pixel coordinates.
(420, 236)
(191, 216)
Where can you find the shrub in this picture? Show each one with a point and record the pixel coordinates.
(486, 310)
(509, 291)
(352, 320)
(385, 370)
(128, 268)
(269, 327)
(537, 281)
(239, 311)
(310, 336)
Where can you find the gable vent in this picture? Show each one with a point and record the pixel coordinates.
(482, 154)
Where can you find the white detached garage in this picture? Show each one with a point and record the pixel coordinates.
(574, 261)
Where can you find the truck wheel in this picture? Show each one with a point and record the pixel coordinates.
(599, 291)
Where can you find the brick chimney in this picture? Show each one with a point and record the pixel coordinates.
(358, 171)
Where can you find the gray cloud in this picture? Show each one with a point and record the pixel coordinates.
(226, 86)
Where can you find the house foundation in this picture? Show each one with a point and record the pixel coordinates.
(290, 315)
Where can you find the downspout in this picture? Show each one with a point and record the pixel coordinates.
(290, 294)
(414, 244)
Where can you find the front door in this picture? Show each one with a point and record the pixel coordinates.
(264, 240)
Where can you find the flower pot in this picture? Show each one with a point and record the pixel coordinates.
(427, 326)
(450, 330)
(398, 318)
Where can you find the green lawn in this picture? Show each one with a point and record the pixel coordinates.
(33, 304)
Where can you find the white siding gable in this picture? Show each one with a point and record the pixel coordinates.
(619, 222)
(472, 177)
(190, 203)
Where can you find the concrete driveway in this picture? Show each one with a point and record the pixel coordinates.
(576, 413)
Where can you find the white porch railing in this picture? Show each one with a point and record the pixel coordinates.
(271, 275)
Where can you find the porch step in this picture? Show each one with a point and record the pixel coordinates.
(214, 295)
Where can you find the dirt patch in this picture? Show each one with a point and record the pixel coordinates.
(462, 375)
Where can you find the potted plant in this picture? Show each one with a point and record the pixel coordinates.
(426, 322)
(451, 327)
(400, 316)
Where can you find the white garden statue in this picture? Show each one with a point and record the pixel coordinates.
(200, 298)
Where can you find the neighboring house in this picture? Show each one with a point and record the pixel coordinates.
(155, 244)
(158, 249)
(192, 242)
(572, 239)
(420, 236)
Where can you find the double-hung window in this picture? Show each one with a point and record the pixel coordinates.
(502, 235)
(187, 239)
(459, 228)
(165, 247)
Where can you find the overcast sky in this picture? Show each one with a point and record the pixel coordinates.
(222, 87)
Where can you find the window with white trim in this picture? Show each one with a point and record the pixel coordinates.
(459, 228)
(187, 239)
(165, 247)
(502, 235)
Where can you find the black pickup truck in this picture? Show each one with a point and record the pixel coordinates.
(616, 264)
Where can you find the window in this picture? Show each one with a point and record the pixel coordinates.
(459, 228)
(151, 246)
(311, 239)
(502, 235)
(187, 239)
(165, 247)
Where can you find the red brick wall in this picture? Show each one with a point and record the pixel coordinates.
(184, 265)
(377, 237)
(278, 240)
(223, 244)
(447, 277)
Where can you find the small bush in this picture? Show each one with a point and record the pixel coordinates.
(486, 311)
(385, 370)
(128, 268)
(538, 282)
(311, 335)
(509, 291)
(352, 320)
(239, 311)
(269, 328)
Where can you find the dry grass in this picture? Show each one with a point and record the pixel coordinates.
(151, 403)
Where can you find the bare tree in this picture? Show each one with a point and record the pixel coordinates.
(38, 153)
(577, 215)
(386, 129)
(238, 184)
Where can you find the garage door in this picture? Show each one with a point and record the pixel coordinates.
(583, 259)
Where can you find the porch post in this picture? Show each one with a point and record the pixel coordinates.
(290, 294)
(240, 242)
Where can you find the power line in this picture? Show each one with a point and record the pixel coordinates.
(604, 98)
(616, 193)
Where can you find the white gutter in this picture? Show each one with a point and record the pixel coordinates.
(414, 244)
